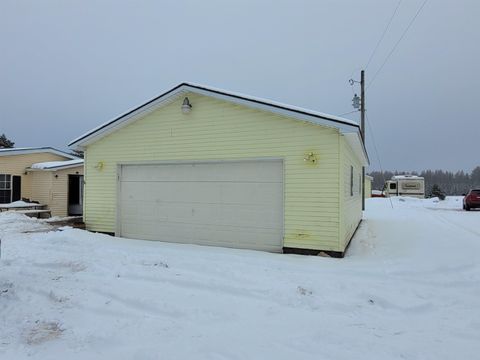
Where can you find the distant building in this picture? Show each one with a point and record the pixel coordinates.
(405, 185)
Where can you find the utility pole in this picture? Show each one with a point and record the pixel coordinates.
(362, 124)
(360, 103)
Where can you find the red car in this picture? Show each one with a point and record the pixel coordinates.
(472, 200)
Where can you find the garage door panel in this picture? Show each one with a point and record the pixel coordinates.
(202, 192)
(214, 214)
(238, 204)
(227, 236)
(221, 171)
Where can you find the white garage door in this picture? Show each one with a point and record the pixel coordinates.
(232, 204)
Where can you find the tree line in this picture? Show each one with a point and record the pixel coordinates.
(451, 183)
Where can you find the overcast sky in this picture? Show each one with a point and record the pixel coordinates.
(68, 66)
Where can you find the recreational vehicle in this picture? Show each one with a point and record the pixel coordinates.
(405, 185)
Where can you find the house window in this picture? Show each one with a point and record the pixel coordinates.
(5, 188)
(351, 180)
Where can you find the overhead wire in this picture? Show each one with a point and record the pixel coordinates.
(350, 112)
(383, 34)
(398, 42)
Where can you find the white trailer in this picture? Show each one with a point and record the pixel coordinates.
(405, 185)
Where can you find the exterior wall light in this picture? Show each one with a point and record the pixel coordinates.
(310, 157)
(99, 166)
(186, 106)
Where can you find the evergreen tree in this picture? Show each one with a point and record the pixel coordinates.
(5, 143)
(475, 177)
(437, 192)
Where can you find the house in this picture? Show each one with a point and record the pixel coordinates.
(368, 186)
(20, 178)
(206, 166)
(59, 184)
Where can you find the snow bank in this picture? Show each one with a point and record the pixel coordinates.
(13, 222)
(18, 204)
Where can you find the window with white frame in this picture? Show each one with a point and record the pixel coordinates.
(5, 188)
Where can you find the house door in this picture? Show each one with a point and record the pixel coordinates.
(75, 195)
(16, 188)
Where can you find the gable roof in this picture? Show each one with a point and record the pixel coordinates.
(35, 150)
(56, 165)
(344, 125)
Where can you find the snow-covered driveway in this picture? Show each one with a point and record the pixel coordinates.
(409, 288)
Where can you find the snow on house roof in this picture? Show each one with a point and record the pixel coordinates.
(33, 150)
(56, 165)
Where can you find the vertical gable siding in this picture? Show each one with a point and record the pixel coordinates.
(351, 206)
(217, 130)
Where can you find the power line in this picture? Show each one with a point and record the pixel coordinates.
(398, 42)
(350, 112)
(376, 153)
(383, 34)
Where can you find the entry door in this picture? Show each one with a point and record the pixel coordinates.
(230, 204)
(16, 188)
(75, 195)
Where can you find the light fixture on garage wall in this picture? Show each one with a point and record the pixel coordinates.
(310, 158)
(99, 166)
(186, 106)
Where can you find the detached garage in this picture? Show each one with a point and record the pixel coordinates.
(204, 166)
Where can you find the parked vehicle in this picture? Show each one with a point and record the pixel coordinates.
(472, 200)
(405, 185)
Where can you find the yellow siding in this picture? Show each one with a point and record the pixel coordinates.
(350, 205)
(218, 129)
(51, 188)
(59, 204)
(41, 186)
(17, 164)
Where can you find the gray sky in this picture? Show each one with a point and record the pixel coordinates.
(68, 66)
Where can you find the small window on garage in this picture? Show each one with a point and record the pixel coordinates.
(351, 180)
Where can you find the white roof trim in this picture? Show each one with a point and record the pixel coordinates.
(31, 150)
(356, 143)
(344, 125)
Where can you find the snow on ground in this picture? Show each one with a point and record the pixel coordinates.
(408, 289)
(18, 204)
